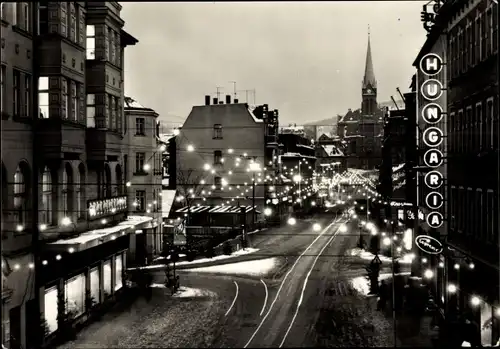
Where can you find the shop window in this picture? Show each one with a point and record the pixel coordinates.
(75, 295)
(118, 272)
(486, 324)
(6, 333)
(50, 309)
(95, 289)
(106, 277)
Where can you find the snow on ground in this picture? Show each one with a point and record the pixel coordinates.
(362, 285)
(369, 256)
(168, 257)
(241, 252)
(254, 268)
(188, 292)
(163, 322)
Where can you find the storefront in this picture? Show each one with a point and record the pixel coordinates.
(472, 293)
(83, 272)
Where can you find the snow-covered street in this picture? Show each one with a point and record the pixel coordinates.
(261, 267)
(187, 320)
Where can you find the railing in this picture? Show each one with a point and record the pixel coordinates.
(106, 207)
(6, 293)
(271, 139)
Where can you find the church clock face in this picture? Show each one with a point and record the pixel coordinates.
(369, 91)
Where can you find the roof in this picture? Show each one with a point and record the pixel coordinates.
(199, 113)
(214, 209)
(131, 104)
(332, 150)
(167, 199)
(369, 77)
(127, 39)
(297, 155)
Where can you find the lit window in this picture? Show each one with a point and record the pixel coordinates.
(75, 296)
(90, 41)
(46, 204)
(20, 195)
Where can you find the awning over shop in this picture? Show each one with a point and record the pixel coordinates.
(167, 199)
(215, 209)
(93, 238)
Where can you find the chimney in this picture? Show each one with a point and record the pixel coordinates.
(221, 102)
(216, 101)
(207, 100)
(236, 100)
(228, 99)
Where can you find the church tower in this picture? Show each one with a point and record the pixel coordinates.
(369, 86)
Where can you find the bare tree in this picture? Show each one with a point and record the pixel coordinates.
(189, 185)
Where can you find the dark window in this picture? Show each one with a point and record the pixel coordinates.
(139, 162)
(27, 95)
(217, 131)
(217, 157)
(16, 92)
(217, 181)
(140, 200)
(4, 78)
(139, 127)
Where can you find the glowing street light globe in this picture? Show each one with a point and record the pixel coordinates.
(292, 221)
(190, 148)
(316, 227)
(343, 228)
(387, 241)
(428, 274)
(267, 211)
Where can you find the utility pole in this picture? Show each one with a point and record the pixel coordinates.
(37, 322)
(218, 91)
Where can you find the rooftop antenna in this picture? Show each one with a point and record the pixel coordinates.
(402, 97)
(246, 94)
(218, 91)
(394, 101)
(234, 88)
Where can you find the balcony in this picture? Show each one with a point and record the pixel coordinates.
(103, 145)
(102, 208)
(271, 140)
(61, 139)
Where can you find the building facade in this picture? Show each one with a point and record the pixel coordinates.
(223, 148)
(63, 156)
(465, 35)
(473, 162)
(145, 169)
(362, 128)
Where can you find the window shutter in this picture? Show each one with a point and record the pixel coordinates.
(81, 93)
(118, 49)
(106, 44)
(82, 28)
(63, 20)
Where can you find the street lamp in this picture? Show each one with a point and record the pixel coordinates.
(292, 221)
(268, 211)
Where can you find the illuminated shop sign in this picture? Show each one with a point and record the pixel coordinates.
(433, 136)
(107, 207)
(429, 244)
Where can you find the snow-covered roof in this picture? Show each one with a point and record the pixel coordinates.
(332, 150)
(165, 137)
(398, 167)
(298, 155)
(101, 234)
(130, 103)
(250, 110)
(305, 146)
(214, 209)
(292, 129)
(167, 199)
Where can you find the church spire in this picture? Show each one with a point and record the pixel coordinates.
(369, 77)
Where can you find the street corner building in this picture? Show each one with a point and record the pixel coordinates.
(67, 232)
(226, 153)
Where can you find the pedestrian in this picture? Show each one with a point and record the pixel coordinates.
(383, 293)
